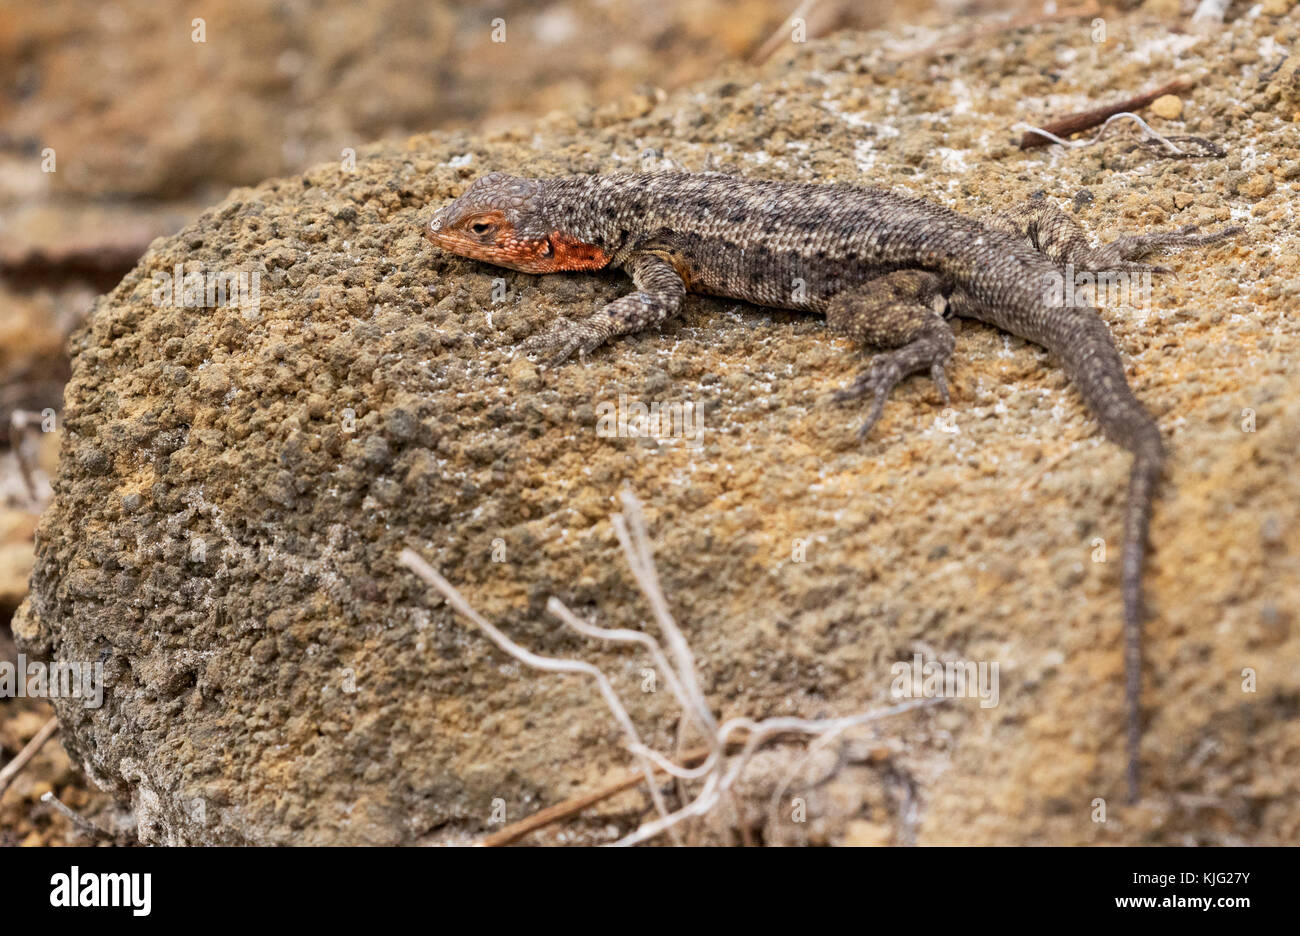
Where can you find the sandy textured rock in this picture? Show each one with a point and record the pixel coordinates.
(1284, 88)
(235, 488)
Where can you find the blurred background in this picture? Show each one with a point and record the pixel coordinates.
(121, 121)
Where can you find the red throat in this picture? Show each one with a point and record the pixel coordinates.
(573, 254)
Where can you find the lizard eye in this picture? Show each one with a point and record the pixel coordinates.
(480, 228)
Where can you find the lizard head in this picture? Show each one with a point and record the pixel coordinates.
(502, 219)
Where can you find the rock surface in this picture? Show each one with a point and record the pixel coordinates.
(235, 486)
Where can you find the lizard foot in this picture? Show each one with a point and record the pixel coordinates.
(1121, 255)
(1132, 266)
(902, 310)
(565, 338)
(880, 378)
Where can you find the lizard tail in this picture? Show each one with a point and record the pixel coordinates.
(1148, 459)
(1080, 338)
(1095, 368)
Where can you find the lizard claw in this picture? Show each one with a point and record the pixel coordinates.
(1187, 236)
(1132, 266)
(879, 379)
(940, 378)
(563, 340)
(559, 355)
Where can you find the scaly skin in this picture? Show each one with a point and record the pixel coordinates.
(883, 268)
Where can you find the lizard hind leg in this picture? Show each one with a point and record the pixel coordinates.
(1063, 240)
(902, 311)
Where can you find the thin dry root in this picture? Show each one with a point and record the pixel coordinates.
(717, 770)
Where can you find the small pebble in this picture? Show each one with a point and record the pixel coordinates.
(1257, 186)
(1167, 106)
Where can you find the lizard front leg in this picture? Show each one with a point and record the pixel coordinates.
(660, 292)
(901, 310)
(1062, 240)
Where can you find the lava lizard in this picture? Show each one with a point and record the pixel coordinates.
(885, 269)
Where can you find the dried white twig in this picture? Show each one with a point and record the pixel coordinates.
(1077, 144)
(551, 664)
(622, 635)
(639, 557)
(30, 749)
(717, 771)
(79, 822)
(718, 783)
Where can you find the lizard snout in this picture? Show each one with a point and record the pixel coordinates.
(438, 227)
